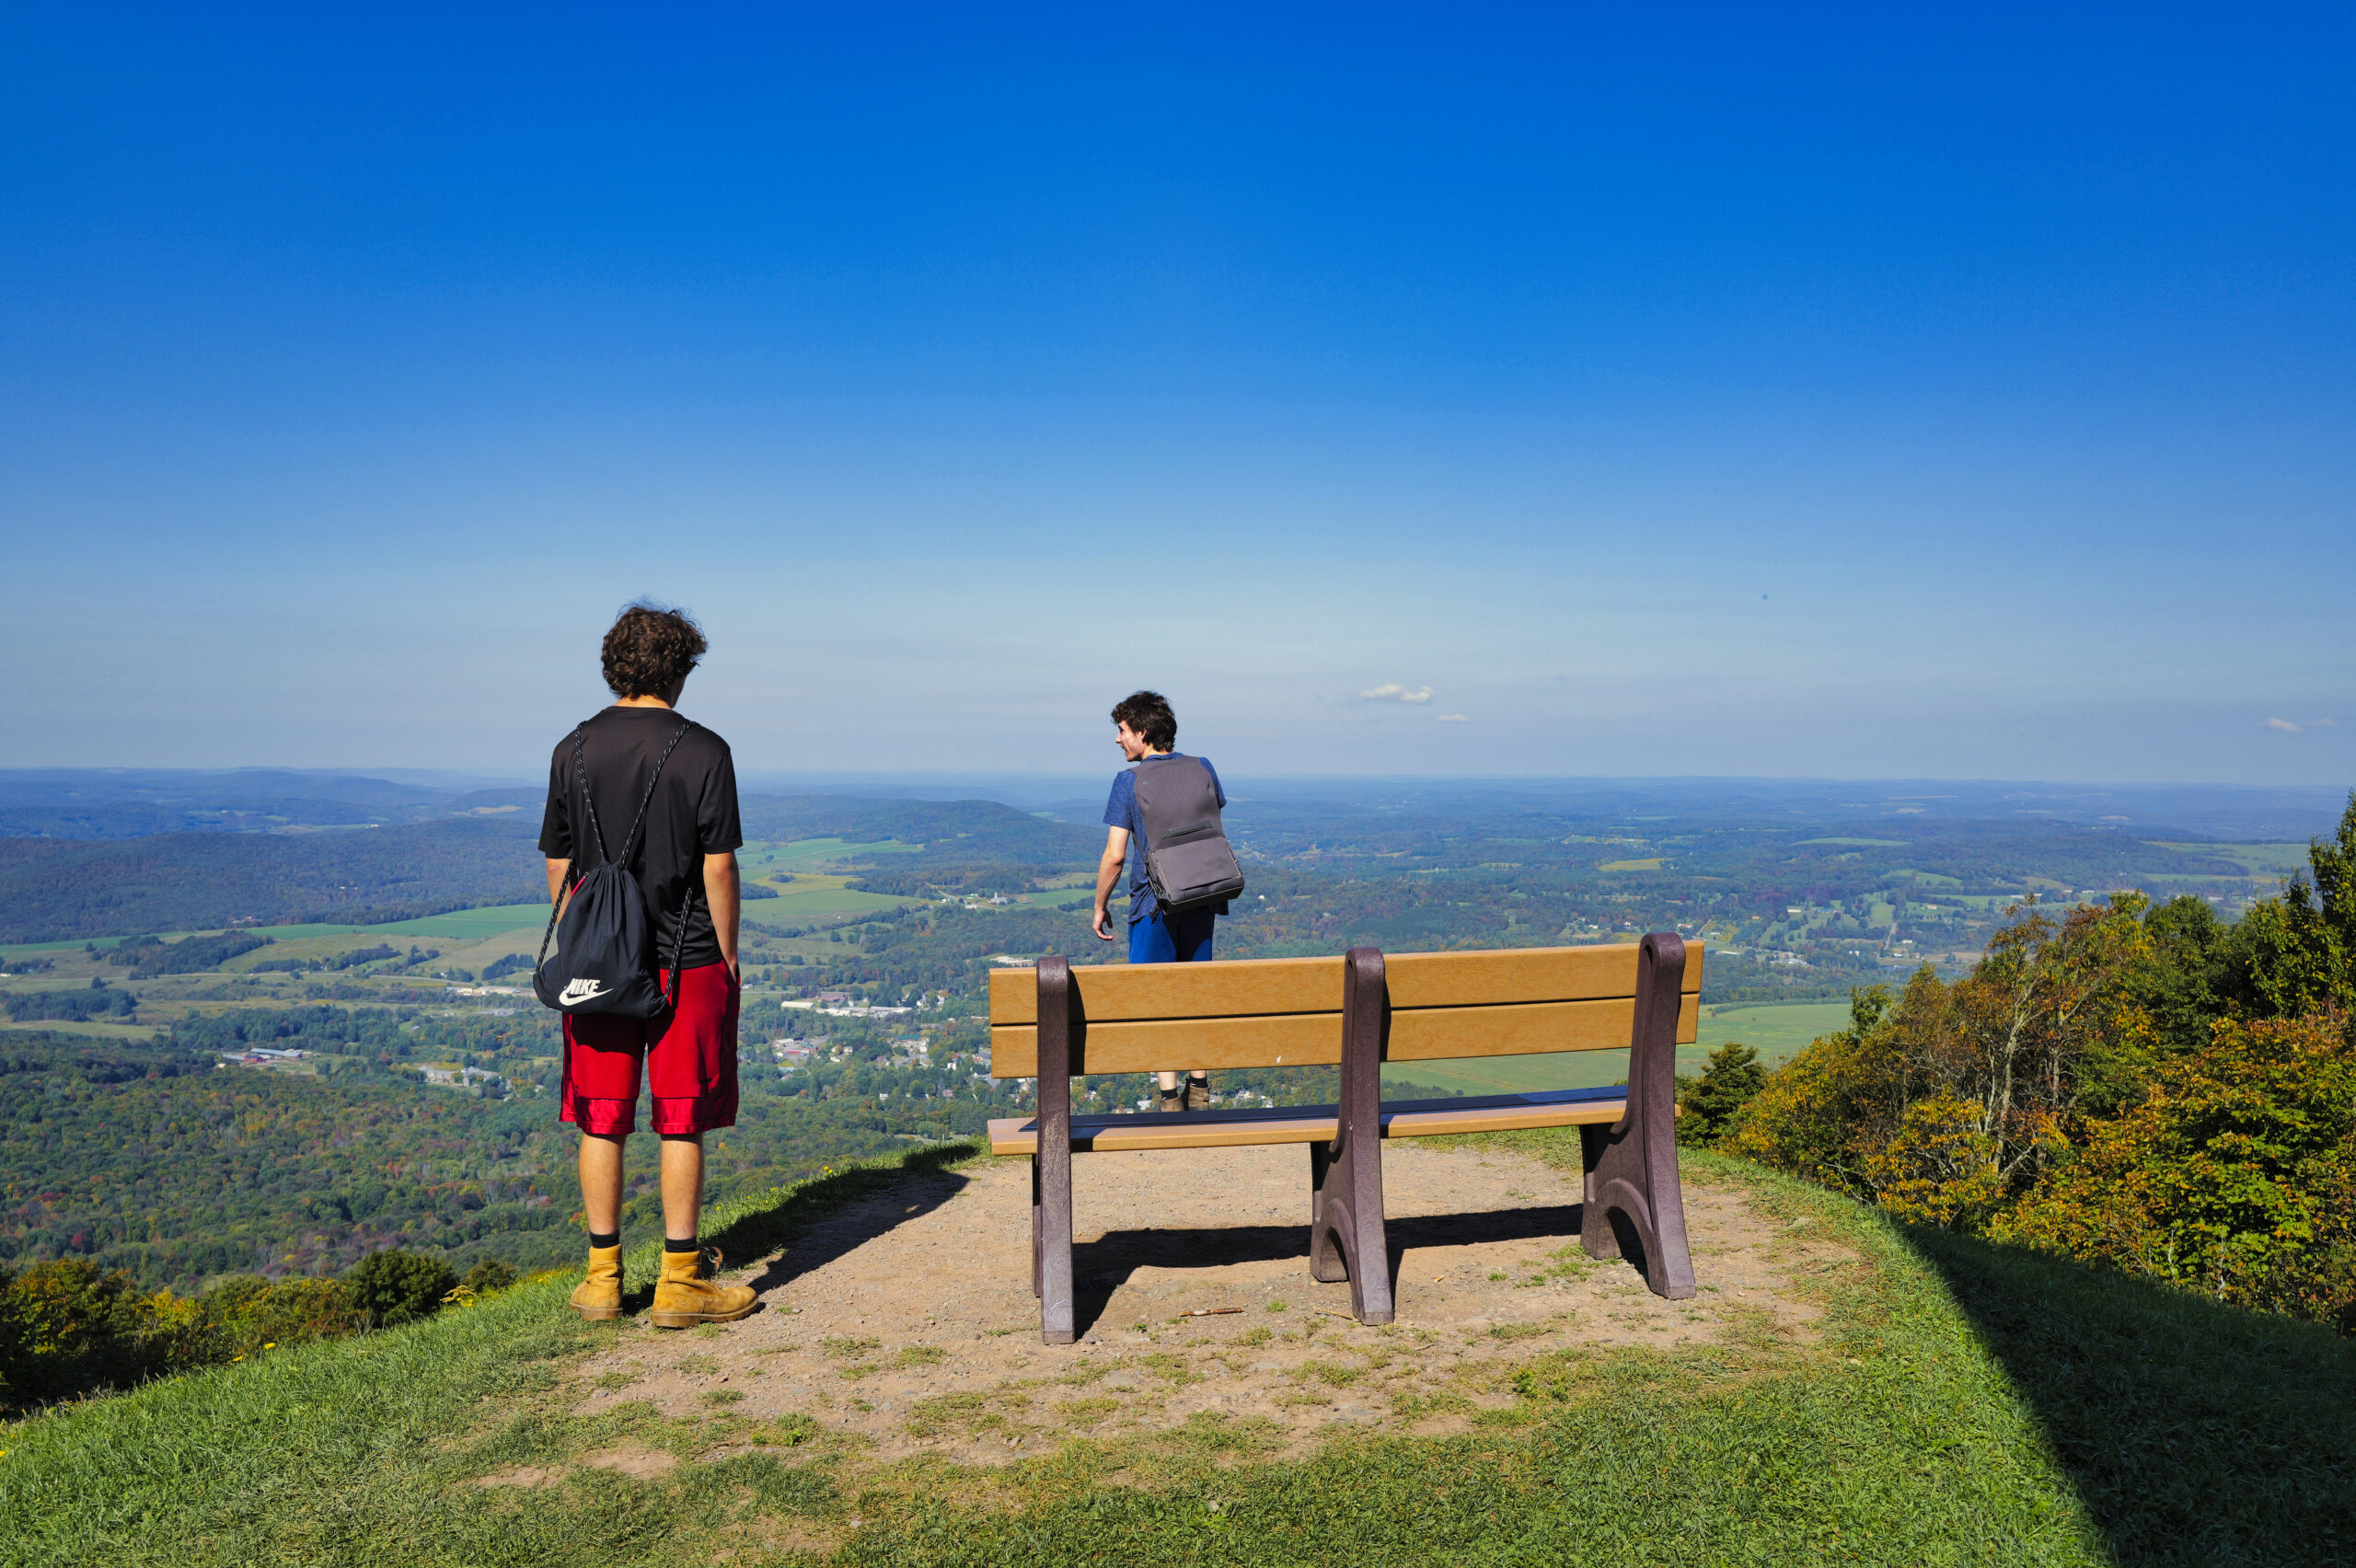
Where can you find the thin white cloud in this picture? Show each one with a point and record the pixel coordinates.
(1454, 718)
(1393, 692)
(2284, 725)
(2323, 723)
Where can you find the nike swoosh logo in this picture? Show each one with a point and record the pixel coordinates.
(578, 991)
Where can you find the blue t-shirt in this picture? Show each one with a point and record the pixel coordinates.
(1121, 811)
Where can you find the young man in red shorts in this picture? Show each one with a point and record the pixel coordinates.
(687, 1057)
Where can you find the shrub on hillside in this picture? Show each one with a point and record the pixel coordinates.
(1710, 1103)
(67, 1327)
(2237, 1175)
(489, 1276)
(248, 1313)
(392, 1288)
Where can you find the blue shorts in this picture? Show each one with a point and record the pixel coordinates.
(1173, 939)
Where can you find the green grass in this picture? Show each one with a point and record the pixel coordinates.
(1965, 1404)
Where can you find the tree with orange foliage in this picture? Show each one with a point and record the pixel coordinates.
(1951, 1098)
(2237, 1175)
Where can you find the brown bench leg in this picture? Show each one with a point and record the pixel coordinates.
(1346, 1230)
(1051, 1166)
(1631, 1165)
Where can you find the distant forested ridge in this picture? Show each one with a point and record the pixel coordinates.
(952, 832)
(60, 890)
(136, 803)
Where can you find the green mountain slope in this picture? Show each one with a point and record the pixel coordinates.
(58, 889)
(1966, 1404)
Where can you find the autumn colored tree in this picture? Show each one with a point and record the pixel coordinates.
(2235, 1176)
(1948, 1100)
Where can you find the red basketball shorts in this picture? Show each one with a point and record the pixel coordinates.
(689, 1055)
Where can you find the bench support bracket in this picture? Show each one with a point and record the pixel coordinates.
(1347, 1239)
(1631, 1165)
(1051, 1166)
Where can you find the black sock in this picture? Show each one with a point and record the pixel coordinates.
(672, 1244)
(605, 1239)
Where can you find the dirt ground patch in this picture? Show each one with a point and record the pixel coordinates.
(908, 1319)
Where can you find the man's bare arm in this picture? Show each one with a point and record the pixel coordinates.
(1108, 871)
(556, 879)
(725, 893)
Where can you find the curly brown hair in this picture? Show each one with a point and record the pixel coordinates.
(650, 649)
(1148, 713)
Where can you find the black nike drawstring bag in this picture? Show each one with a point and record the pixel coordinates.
(605, 949)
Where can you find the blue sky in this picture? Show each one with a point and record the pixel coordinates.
(1774, 392)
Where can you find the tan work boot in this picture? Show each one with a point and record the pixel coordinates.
(1198, 1094)
(686, 1295)
(1171, 1100)
(600, 1295)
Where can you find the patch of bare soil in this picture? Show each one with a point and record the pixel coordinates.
(907, 1321)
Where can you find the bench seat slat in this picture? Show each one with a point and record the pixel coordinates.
(1416, 1034)
(1316, 1123)
(1242, 988)
(1113, 993)
(1502, 976)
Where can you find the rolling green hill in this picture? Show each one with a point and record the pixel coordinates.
(56, 889)
(1965, 1404)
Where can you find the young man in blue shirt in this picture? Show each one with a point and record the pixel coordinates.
(1146, 730)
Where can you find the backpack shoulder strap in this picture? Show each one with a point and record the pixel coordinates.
(629, 845)
(588, 806)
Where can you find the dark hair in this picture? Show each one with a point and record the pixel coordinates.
(1148, 713)
(650, 649)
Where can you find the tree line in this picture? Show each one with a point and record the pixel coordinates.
(2142, 1086)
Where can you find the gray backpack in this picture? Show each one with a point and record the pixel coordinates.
(1189, 860)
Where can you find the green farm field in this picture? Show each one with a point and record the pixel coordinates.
(760, 857)
(458, 925)
(2258, 860)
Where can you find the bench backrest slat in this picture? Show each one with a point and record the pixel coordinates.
(1286, 1011)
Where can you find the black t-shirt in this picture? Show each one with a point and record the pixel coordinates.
(693, 814)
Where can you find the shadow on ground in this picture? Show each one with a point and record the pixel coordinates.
(2195, 1432)
(1102, 1266)
(824, 1219)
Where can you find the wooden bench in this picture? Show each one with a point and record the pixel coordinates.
(1053, 1022)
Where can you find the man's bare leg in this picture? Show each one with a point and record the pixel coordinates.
(682, 1184)
(601, 1182)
